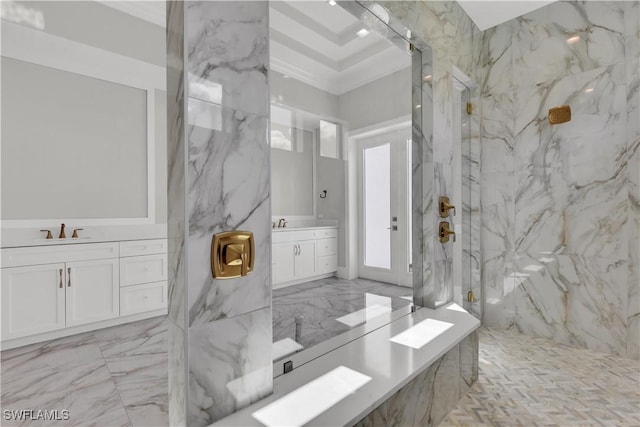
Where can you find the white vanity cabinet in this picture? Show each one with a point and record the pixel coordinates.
(33, 300)
(92, 292)
(301, 255)
(58, 290)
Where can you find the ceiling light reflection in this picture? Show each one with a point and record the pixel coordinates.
(419, 335)
(573, 40)
(362, 33)
(307, 402)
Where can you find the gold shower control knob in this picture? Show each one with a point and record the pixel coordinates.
(444, 231)
(445, 207)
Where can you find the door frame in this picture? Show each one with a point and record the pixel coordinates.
(353, 219)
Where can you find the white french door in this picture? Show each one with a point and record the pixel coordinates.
(384, 193)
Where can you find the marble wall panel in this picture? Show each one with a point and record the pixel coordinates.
(544, 50)
(219, 173)
(632, 47)
(228, 365)
(571, 299)
(229, 190)
(428, 398)
(572, 201)
(499, 283)
(176, 159)
(229, 53)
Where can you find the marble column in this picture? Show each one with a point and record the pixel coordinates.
(219, 180)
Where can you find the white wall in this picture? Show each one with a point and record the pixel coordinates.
(376, 102)
(301, 96)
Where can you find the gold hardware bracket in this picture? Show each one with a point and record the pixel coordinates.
(561, 114)
(469, 108)
(470, 297)
(444, 231)
(444, 207)
(232, 254)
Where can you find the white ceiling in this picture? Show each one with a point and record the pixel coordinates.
(486, 14)
(317, 44)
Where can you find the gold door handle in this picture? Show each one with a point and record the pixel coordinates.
(61, 278)
(69, 278)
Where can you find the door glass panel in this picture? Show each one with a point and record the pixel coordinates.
(377, 206)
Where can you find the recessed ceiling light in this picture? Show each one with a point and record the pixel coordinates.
(332, 2)
(574, 39)
(362, 33)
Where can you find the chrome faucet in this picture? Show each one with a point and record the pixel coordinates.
(62, 235)
(282, 223)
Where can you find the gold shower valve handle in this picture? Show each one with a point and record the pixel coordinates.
(444, 231)
(444, 207)
(232, 254)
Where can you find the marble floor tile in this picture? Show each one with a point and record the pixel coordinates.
(527, 381)
(146, 403)
(138, 368)
(111, 377)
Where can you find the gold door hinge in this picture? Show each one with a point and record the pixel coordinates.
(470, 296)
(469, 108)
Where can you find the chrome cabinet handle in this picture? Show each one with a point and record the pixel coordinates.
(69, 278)
(61, 278)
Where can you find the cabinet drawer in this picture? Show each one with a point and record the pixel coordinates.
(282, 236)
(143, 269)
(327, 264)
(326, 233)
(327, 247)
(141, 298)
(34, 255)
(143, 247)
(305, 235)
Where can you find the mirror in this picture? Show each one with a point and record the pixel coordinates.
(83, 101)
(99, 149)
(341, 126)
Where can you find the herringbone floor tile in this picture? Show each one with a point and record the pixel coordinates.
(535, 382)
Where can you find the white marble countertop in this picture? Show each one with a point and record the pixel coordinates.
(304, 228)
(23, 237)
(381, 367)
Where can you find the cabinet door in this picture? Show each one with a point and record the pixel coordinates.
(305, 260)
(93, 291)
(32, 300)
(282, 262)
